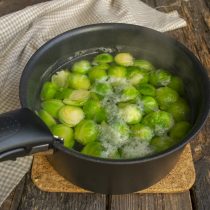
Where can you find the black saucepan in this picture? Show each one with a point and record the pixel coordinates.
(22, 133)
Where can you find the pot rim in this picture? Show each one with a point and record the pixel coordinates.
(196, 127)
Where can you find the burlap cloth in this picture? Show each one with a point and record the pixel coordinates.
(23, 32)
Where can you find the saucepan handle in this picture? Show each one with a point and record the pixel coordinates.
(22, 133)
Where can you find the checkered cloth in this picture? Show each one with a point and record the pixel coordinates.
(23, 32)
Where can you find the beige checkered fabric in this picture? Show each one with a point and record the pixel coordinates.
(23, 32)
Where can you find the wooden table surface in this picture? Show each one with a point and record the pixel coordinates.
(196, 36)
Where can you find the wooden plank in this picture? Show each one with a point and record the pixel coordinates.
(180, 201)
(33, 198)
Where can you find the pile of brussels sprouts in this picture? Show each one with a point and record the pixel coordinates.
(115, 107)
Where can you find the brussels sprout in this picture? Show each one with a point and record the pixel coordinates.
(144, 64)
(161, 143)
(161, 122)
(52, 106)
(93, 110)
(93, 149)
(142, 132)
(137, 76)
(48, 91)
(180, 110)
(96, 73)
(77, 98)
(129, 93)
(102, 66)
(150, 104)
(102, 88)
(86, 131)
(63, 93)
(61, 78)
(64, 132)
(46, 118)
(177, 84)
(130, 113)
(124, 59)
(180, 130)
(147, 89)
(103, 58)
(160, 78)
(79, 81)
(81, 67)
(70, 115)
(117, 73)
(166, 97)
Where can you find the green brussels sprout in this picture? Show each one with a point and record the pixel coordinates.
(160, 78)
(142, 132)
(93, 110)
(64, 132)
(144, 64)
(129, 93)
(63, 93)
(149, 104)
(137, 76)
(48, 91)
(96, 73)
(179, 130)
(180, 110)
(117, 73)
(160, 121)
(61, 78)
(124, 59)
(103, 58)
(102, 66)
(166, 97)
(102, 88)
(130, 113)
(79, 81)
(161, 143)
(81, 67)
(52, 106)
(86, 131)
(93, 149)
(70, 115)
(46, 118)
(147, 89)
(77, 98)
(177, 84)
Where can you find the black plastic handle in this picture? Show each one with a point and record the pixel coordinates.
(22, 133)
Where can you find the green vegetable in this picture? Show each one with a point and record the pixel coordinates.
(96, 73)
(103, 58)
(160, 121)
(147, 89)
(77, 98)
(137, 76)
(129, 93)
(117, 73)
(150, 104)
(180, 130)
(160, 78)
(93, 110)
(161, 143)
(64, 132)
(166, 97)
(46, 118)
(48, 91)
(61, 78)
(102, 88)
(144, 64)
(93, 149)
(63, 93)
(177, 84)
(124, 59)
(102, 66)
(142, 132)
(86, 131)
(70, 115)
(81, 67)
(79, 81)
(130, 113)
(52, 106)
